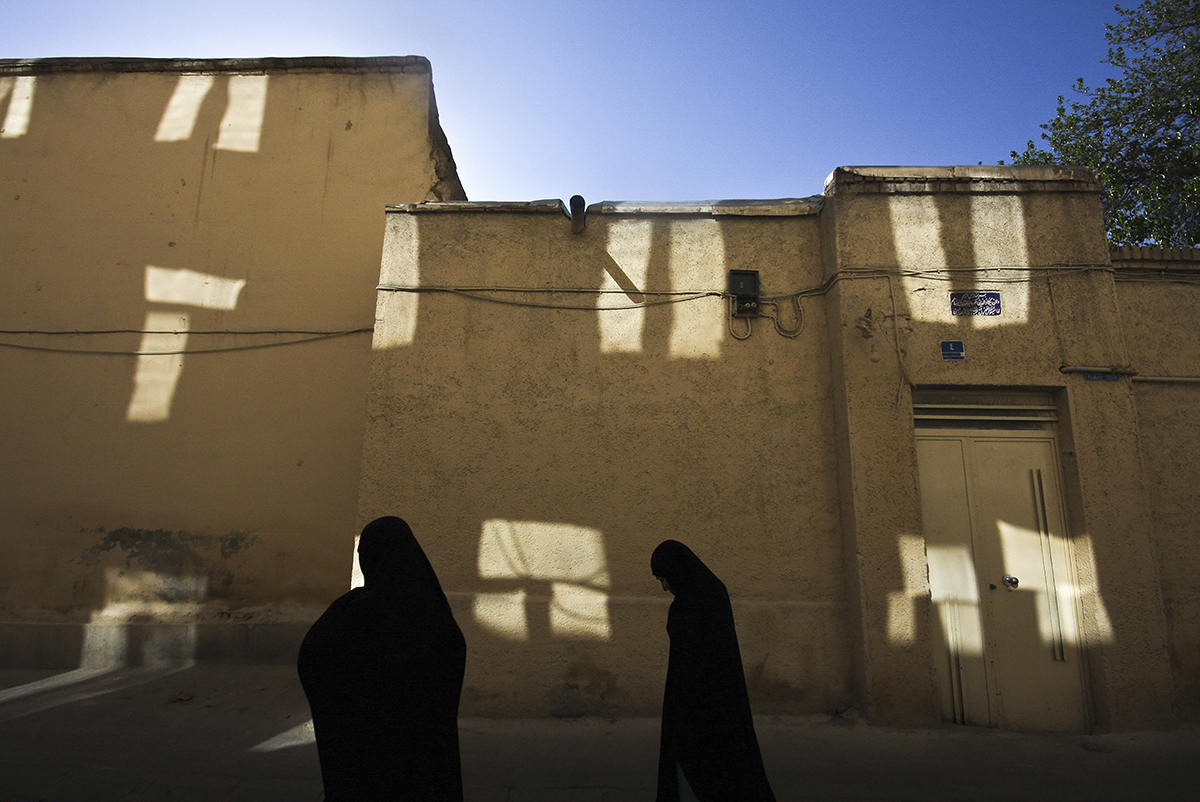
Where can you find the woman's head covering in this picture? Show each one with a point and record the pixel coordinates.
(684, 571)
(389, 553)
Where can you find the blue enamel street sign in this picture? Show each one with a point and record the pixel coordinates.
(953, 350)
(975, 302)
(1101, 377)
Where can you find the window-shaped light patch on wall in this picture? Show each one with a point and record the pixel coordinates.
(917, 233)
(629, 248)
(179, 118)
(396, 312)
(241, 125)
(998, 236)
(697, 261)
(164, 337)
(526, 554)
(18, 91)
(902, 621)
(999, 258)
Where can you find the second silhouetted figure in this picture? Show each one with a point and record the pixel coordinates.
(708, 741)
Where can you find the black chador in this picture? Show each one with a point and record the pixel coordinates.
(383, 672)
(708, 738)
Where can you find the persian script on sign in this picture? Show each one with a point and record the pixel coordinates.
(975, 302)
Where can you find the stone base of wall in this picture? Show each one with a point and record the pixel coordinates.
(67, 646)
(797, 655)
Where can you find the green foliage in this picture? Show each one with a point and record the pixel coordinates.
(1141, 131)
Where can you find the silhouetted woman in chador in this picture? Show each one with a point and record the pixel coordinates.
(708, 738)
(383, 672)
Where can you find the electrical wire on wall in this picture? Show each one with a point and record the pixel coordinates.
(488, 295)
(299, 337)
(520, 297)
(791, 332)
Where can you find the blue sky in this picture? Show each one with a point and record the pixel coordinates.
(654, 100)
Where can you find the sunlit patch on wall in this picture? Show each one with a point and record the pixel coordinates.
(998, 231)
(1086, 589)
(502, 614)
(165, 335)
(191, 288)
(19, 91)
(629, 246)
(578, 610)
(356, 575)
(241, 126)
(148, 622)
(917, 232)
(901, 612)
(151, 589)
(396, 312)
(954, 592)
(159, 366)
(571, 558)
(179, 118)
(697, 260)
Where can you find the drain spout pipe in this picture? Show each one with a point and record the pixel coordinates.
(578, 214)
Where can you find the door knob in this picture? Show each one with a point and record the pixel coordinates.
(1011, 582)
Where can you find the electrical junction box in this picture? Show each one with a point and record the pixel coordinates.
(743, 286)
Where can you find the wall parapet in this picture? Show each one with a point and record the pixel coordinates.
(405, 64)
(779, 207)
(981, 179)
(1148, 257)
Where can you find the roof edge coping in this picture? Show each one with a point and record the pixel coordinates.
(744, 208)
(962, 174)
(413, 64)
(1153, 253)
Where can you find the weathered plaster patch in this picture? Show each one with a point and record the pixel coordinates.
(165, 550)
(587, 690)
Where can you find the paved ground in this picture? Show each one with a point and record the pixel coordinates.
(233, 734)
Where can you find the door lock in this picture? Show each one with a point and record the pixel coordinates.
(1011, 582)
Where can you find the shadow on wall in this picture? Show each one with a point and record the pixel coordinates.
(1011, 579)
(542, 442)
(168, 231)
(537, 394)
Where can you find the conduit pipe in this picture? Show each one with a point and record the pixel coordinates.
(1169, 379)
(1120, 371)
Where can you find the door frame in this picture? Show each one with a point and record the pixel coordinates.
(1017, 420)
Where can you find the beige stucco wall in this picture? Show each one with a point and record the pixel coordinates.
(544, 406)
(1158, 294)
(541, 454)
(899, 239)
(236, 201)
